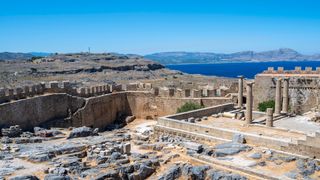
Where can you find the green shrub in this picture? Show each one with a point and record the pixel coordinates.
(189, 106)
(266, 104)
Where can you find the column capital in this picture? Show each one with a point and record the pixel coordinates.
(250, 83)
(241, 76)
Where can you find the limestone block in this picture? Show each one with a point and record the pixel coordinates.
(179, 92)
(19, 93)
(164, 92)
(270, 70)
(141, 86)
(308, 70)
(148, 86)
(66, 85)
(280, 70)
(196, 93)
(297, 69)
(54, 85)
(93, 91)
(132, 87)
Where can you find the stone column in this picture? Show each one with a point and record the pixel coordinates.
(269, 121)
(240, 92)
(285, 102)
(249, 103)
(278, 97)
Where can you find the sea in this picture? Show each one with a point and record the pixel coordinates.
(247, 69)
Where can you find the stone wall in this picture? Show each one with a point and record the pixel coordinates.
(63, 110)
(39, 110)
(304, 88)
(100, 111)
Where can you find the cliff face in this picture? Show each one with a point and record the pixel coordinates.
(283, 54)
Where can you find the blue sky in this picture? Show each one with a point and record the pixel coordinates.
(147, 26)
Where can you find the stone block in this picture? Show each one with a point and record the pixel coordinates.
(280, 70)
(164, 92)
(66, 84)
(308, 70)
(54, 85)
(270, 70)
(196, 93)
(148, 86)
(126, 148)
(297, 69)
(19, 93)
(132, 87)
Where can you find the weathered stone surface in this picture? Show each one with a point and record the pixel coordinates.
(238, 138)
(110, 174)
(229, 149)
(193, 146)
(56, 177)
(129, 119)
(255, 156)
(82, 132)
(24, 177)
(173, 172)
(12, 131)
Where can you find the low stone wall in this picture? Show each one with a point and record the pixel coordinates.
(174, 125)
(203, 112)
(39, 110)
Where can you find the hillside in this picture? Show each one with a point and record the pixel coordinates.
(283, 54)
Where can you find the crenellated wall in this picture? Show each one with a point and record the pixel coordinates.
(304, 87)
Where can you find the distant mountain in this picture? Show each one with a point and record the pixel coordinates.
(283, 54)
(9, 56)
(12, 56)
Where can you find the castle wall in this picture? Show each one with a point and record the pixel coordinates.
(100, 111)
(32, 112)
(304, 88)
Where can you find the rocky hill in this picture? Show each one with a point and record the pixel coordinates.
(81, 68)
(283, 54)
(9, 56)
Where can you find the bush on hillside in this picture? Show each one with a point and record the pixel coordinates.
(189, 106)
(266, 104)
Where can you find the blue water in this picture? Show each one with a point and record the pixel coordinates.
(249, 70)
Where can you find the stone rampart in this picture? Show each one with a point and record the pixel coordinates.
(304, 88)
(39, 110)
(297, 70)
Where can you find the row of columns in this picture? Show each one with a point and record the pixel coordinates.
(281, 100)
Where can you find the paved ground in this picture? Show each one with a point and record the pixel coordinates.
(299, 123)
(239, 125)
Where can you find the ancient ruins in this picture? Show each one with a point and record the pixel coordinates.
(53, 130)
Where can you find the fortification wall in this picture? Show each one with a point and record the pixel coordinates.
(304, 87)
(32, 112)
(100, 111)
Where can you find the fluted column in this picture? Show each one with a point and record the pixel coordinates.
(249, 103)
(285, 101)
(278, 97)
(269, 121)
(240, 92)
